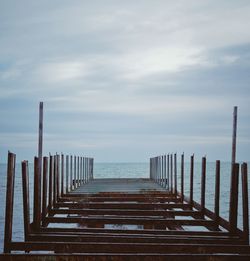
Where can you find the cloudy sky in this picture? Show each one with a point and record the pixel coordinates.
(125, 80)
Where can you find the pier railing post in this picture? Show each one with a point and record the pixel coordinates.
(71, 172)
(37, 196)
(45, 184)
(182, 176)
(58, 176)
(54, 180)
(245, 208)
(26, 204)
(50, 182)
(9, 201)
(175, 174)
(217, 193)
(168, 172)
(78, 171)
(233, 210)
(191, 191)
(165, 172)
(62, 174)
(74, 181)
(67, 174)
(203, 184)
(171, 172)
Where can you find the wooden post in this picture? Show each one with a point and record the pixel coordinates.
(203, 184)
(50, 182)
(26, 203)
(40, 139)
(67, 174)
(245, 210)
(58, 176)
(175, 174)
(165, 172)
(78, 171)
(234, 135)
(44, 202)
(55, 181)
(168, 171)
(233, 210)
(74, 182)
(217, 193)
(171, 172)
(182, 176)
(81, 177)
(191, 179)
(9, 201)
(71, 172)
(62, 175)
(37, 196)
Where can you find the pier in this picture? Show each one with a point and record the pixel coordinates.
(76, 215)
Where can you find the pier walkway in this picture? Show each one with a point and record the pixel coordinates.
(76, 216)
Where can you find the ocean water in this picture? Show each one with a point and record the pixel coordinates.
(124, 170)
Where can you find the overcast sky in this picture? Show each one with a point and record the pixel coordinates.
(125, 80)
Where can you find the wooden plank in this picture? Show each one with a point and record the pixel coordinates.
(9, 201)
(130, 221)
(95, 247)
(123, 205)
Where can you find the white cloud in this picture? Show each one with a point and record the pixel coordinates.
(61, 71)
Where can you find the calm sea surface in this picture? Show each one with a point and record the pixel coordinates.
(121, 170)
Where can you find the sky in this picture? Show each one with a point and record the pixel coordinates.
(125, 80)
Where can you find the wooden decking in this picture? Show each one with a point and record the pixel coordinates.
(119, 185)
(120, 219)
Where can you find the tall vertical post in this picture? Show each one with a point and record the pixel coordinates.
(9, 201)
(234, 135)
(217, 193)
(245, 210)
(191, 179)
(40, 139)
(203, 184)
(26, 205)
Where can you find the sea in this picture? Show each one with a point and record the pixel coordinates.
(124, 170)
